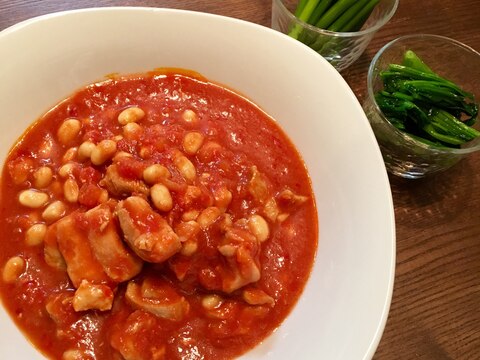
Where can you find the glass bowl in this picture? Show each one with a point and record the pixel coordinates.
(403, 155)
(341, 49)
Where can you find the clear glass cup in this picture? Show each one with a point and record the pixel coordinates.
(341, 49)
(403, 155)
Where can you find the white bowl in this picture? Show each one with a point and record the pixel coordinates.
(343, 310)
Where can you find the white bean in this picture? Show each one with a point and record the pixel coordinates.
(104, 151)
(73, 354)
(211, 302)
(208, 216)
(14, 267)
(190, 117)
(70, 155)
(85, 150)
(54, 211)
(185, 167)
(42, 177)
(35, 234)
(66, 170)
(223, 198)
(227, 250)
(190, 215)
(259, 227)
(192, 141)
(33, 198)
(131, 114)
(121, 154)
(209, 151)
(132, 131)
(154, 173)
(189, 248)
(68, 131)
(161, 197)
(145, 152)
(71, 190)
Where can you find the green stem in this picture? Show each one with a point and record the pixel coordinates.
(429, 129)
(357, 22)
(425, 141)
(323, 6)
(455, 126)
(420, 75)
(304, 16)
(333, 13)
(308, 10)
(343, 20)
(300, 7)
(412, 60)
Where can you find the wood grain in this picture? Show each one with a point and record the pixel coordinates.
(436, 301)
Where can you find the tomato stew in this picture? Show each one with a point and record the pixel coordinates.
(155, 216)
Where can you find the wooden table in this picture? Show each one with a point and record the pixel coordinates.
(435, 313)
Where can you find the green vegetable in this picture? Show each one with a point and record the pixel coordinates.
(348, 16)
(410, 59)
(361, 18)
(321, 8)
(300, 7)
(306, 11)
(333, 15)
(425, 105)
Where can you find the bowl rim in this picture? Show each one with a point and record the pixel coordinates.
(404, 136)
(340, 34)
(371, 347)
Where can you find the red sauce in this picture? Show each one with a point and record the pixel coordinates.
(243, 151)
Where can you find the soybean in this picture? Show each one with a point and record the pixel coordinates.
(13, 268)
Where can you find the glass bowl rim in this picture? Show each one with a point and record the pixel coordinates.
(404, 136)
(367, 31)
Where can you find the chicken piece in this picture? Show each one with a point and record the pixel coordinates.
(223, 197)
(75, 248)
(158, 298)
(59, 308)
(258, 186)
(180, 265)
(133, 338)
(146, 231)
(52, 254)
(225, 310)
(270, 209)
(241, 250)
(121, 187)
(92, 297)
(187, 231)
(188, 235)
(257, 297)
(118, 262)
(196, 197)
(291, 198)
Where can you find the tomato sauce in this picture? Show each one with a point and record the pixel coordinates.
(198, 203)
